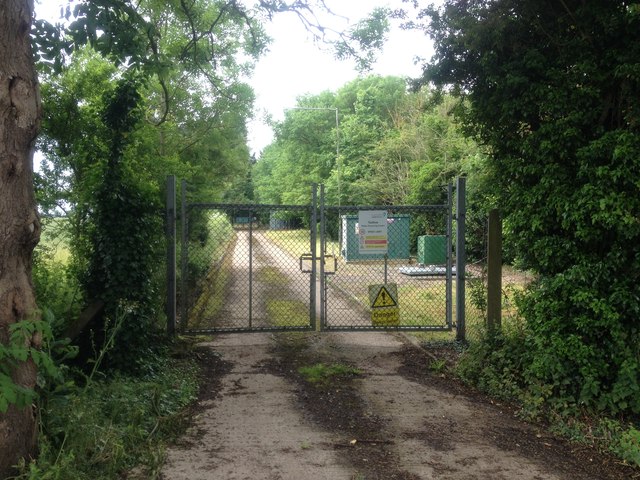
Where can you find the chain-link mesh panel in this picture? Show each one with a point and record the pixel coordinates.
(476, 276)
(514, 282)
(411, 289)
(243, 270)
(248, 268)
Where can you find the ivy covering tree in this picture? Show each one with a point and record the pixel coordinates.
(157, 91)
(553, 88)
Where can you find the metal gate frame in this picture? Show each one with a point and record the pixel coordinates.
(319, 290)
(325, 323)
(252, 322)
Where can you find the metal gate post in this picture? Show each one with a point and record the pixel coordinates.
(183, 255)
(323, 243)
(171, 254)
(449, 281)
(314, 236)
(461, 259)
(250, 268)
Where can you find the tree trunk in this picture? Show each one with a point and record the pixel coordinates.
(19, 224)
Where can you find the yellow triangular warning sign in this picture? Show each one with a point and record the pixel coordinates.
(384, 299)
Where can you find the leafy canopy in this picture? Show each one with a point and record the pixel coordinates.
(389, 146)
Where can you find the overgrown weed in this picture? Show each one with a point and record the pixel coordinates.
(103, 427)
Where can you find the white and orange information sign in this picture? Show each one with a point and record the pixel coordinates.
(372, 232)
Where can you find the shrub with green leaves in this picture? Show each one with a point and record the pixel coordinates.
(553, 89)
(628, 446)
(582, 342)
(56, 289)
(15, 352)
(494, 365)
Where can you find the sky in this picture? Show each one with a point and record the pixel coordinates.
(295, 66)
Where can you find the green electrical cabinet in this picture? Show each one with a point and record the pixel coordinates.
(397, 235)
(432, 249)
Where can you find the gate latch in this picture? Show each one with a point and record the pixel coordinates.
(330, 263)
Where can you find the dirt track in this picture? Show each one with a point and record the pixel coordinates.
(258, 419)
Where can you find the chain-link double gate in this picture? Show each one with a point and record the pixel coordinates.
(247, 268)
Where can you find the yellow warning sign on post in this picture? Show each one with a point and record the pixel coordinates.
(384, 305)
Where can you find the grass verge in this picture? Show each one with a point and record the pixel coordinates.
(212, 238)
(420, 303)
(213, 295)
(272, 276)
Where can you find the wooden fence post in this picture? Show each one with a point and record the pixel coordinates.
(494, 273)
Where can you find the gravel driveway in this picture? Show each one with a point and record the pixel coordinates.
(397, 419)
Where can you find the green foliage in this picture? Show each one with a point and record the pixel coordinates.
(124, 232)
(158, 90)
(591, 360)
(20, 349)
(55, 286)
(287, 313)
(148, 36)
(210, 234)
(438, 366)
(208, 269)
(109, 426)
(477, 293)
(552, 88)
(363, 40)
(493, 364)
(616, 436)
(395, 147)
(323, 375)
(628, 447)
(93, 426)
(553, 363)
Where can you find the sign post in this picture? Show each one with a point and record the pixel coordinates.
(374, 239)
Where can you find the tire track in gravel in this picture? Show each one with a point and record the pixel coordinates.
(251, 429)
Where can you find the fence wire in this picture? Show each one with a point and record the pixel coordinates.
(242, 272)
(248, 269)
(514, 282)
(243, 269)
(417, 281)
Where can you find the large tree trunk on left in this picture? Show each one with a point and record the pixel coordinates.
(19, 225)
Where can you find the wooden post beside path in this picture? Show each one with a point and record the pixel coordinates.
(494, 273)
